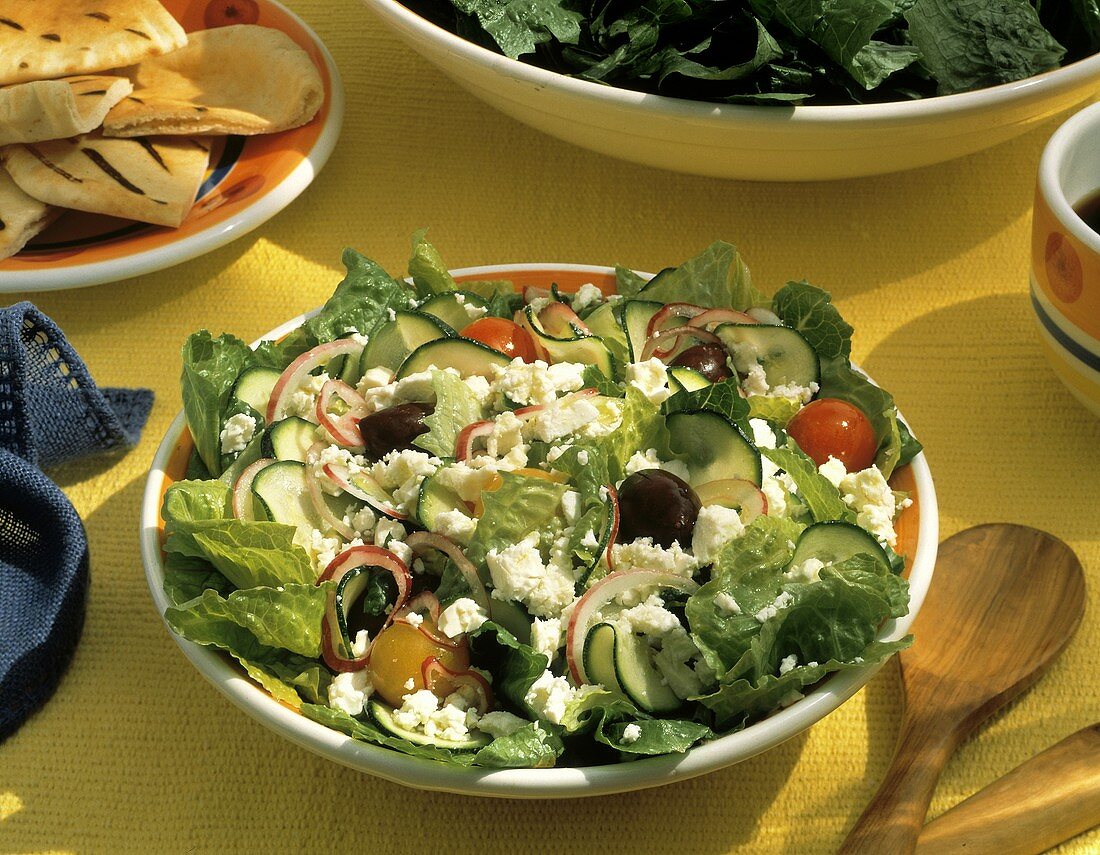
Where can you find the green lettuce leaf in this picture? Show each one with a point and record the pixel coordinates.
(840, 380)
(594, 378)
(810, 310)
(187, 506)
(747, 569)
(210, 368)
(456, 406)
(628, 283)
(429, 273)
(288, 617)
(658, 736)
(521, 505)
(367, 731)
(513, 665)
(971, 44)
(251, 554)
(519, 26)
(817, 491)
(186, 578)
(723, 397)
(716, 277)
(208, 621)
(777, 411)
(642, 427)
(532, 747)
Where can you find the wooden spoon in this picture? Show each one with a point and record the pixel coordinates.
(1004, 602)
(1052, 797)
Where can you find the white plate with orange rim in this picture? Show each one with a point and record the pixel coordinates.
(918, 540)
(249, 180)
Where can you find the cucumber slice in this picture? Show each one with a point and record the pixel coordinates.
(783, 353)
(383, 716)
(396, 340)
(604, 322)
(348, 591)
(289, 439)
(447, 308)
(465, 356)
(687, 379)
(586, 349)
(252, 452)
(621, 662)
(281, 494)
(834, 541)
(712, 447)
(512, 617)
(435, 499)
(636, 317)
(254, 387)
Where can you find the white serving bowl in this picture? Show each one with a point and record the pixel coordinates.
(740, 141)
(567, 782)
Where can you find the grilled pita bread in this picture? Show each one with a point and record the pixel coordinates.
(43, 39)
(21, 217)
(151, 180)
(240, 79)
(55, 109)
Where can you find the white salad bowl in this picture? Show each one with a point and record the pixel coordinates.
(918, 537)
(761, 143)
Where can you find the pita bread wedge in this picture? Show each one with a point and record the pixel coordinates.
(153, 180)
(240, 79)
(21, 217)
(43, 39)
(55, 109)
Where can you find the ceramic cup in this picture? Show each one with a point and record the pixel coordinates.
(1065, 256)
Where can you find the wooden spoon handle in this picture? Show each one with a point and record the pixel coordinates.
(1050, 798)
(895, 815)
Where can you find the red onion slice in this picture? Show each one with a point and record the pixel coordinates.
(419, 541)
(666, 343)
(676, 311)
(721, 316)
(296, 373)
(343, 429)
(243, 507)
(442, 681)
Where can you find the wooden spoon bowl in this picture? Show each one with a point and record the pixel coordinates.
(1005, 601)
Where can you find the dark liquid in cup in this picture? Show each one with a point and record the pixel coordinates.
(1088, 209)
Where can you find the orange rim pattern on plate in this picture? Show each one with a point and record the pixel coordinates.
(243, 169)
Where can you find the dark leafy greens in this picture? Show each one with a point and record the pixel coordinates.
(782, 52)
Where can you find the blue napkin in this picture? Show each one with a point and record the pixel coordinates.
(50, 412)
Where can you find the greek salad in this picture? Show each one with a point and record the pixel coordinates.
(506, 526)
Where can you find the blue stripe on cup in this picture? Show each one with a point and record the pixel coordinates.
(1073, 348)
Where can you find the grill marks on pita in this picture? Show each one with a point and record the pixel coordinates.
(151, 180)
(44, 39)
(21, 216)
(55, 109)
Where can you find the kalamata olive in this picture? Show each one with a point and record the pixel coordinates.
(708, 359)
(654, 503)
(393, 429)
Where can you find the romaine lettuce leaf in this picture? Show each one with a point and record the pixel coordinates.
(429, 273)
(519, 506)
(840, 380)
(513, 665)
(717, 277)
(248, 554)
(187, 505)
(210, 368)
(535, 746)
(456, 406)
(810, 310)
(218, 627)
(747, 569)
(628, 283)
(367, 731)
(288, 617)
(723, 397)
(658, 736)
(776, 410)
(186, 578)
(817, 491)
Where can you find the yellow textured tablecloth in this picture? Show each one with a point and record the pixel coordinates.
(138, 753)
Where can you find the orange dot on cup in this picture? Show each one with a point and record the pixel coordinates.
(1063, 268)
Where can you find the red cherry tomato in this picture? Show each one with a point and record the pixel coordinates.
(830, 427)
(502, 335)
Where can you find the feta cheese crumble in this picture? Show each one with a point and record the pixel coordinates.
(348, 691)
(715, 526)
(644, 553)
(237, 433)
(463, 615)
(518, 573)
(631, 734)
(650, 378)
